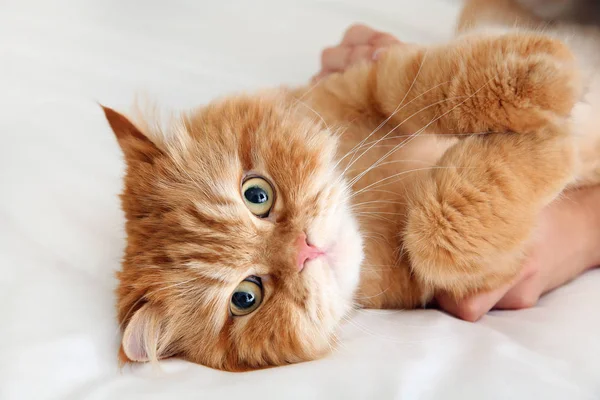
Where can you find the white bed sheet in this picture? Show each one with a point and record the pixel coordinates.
(61, 230)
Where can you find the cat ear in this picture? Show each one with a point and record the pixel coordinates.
(135, 145)
(144, 337)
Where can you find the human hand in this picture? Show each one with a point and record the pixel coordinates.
(566, 243)
(358, 44)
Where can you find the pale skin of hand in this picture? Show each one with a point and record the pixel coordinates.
(567, 240)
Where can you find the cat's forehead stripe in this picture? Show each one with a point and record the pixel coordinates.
(245, 150)
(223, 276)
(211, 220)
(246, 129)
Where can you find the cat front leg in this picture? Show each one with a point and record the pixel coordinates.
(477, 83)
(470, 217)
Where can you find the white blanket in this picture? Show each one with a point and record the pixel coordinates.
(61, 230)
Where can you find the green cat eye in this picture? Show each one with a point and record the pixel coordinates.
(246, 297)
(258, 196)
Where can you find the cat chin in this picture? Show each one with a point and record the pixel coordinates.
(344, 251)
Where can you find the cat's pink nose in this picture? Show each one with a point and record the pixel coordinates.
(306, 251)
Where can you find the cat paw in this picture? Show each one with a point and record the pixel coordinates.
(468, 220)
(518, 81)
(457, 243)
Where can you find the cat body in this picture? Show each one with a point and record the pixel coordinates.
(257, 223)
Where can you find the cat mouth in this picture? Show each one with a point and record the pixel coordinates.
(312, 261)
(307, 251)
(324, 256)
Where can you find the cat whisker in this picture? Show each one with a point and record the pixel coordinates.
(382, 191)
(375, 203)
(403, 161)
(379, 217)
(411, 137)
(440, 134)
(297, 100)
(379, 182)
(373, 270)
(373, 235)
(401, 250)
(380, 265)
(381, 240)
(316, 113)
(366, 207)
(379, 212)
(323, 335)
(408, 135)
(372, 296)
(312, 87)
(368, 188)
(399, 106)
(390, 152)
(354, 160)
(419, 131)
(338, 344)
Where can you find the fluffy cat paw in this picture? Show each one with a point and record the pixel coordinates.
(470, 218)
(516, 82)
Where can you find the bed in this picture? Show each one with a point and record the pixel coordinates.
(61, 228)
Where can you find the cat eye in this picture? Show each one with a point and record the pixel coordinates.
(258, 196)
(246, 297)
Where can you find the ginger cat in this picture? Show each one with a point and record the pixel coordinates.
(257, 223)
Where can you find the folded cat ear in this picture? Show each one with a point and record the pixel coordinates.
(135, 145)
(144, 338)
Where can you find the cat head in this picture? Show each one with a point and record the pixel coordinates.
(242, 251)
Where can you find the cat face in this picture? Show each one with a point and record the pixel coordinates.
(242, 251)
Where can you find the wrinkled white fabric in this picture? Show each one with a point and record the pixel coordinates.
(61, 230)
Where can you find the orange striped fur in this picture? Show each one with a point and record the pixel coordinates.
(421, 172)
